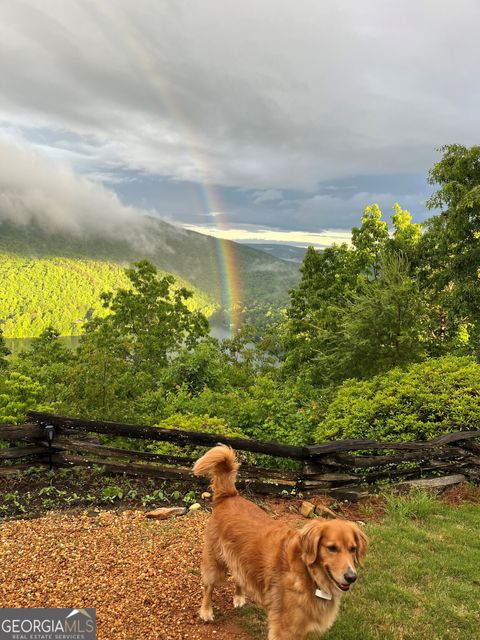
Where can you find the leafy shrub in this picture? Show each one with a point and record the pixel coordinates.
(18, 394)
(420, 402)
(266, 410)
(190, 422)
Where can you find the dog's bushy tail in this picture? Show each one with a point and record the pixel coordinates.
(220, 465)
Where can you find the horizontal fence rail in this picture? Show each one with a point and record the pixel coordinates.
(346, 469)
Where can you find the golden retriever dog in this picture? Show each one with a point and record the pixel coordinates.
(299, 577)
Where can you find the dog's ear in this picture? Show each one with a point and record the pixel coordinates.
(310, 536)
(362, 544)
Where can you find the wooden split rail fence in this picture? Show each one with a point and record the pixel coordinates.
(346, 469)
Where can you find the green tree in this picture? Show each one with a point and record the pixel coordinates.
(46, 361)
(328, 279)
(4, 352)
(352, 312)
(407, 236)
(19, 394)
(385, 323)
(204, 366)
(44, 351)
(100, 382)
(451, 243)
(370, 240)
(153, 317)
(125, 354)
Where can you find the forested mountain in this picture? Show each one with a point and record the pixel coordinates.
(55, 277)
(63, 292)
(288, 252)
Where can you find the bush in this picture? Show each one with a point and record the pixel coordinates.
(417, 403)
(266, 410)
(190, 422)
(18, 394)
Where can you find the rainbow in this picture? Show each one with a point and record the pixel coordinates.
(226, 259)
(225, 253)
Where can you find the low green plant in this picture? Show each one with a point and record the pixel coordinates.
(48, 503)
(72, 499)
(52, 492)
(112, 493)
(156, 496)
(189, 497)
(12, 500)
(99, 468)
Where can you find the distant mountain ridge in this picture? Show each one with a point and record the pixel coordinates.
(288, 252)
(193, 257)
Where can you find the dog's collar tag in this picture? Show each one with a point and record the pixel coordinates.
(323, 594)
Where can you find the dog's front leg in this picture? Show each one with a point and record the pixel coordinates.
(206, 610)
(283, 628)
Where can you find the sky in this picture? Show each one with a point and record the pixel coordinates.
(260, 121)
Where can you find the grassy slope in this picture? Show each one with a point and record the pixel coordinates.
(420, 579)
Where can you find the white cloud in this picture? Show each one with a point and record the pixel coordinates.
(258, 95)
(35, 187)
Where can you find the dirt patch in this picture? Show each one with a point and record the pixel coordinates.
(372, 508)
(462, 493)
(35, 493)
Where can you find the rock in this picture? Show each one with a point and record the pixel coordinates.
(195, 506)
(307, 509)
(432, 484)
(206, 495)
(324, 512)
(166, 512)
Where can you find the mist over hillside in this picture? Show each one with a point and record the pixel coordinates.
(48, 210)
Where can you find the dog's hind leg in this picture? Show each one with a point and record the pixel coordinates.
(213, 572)
(239, 597)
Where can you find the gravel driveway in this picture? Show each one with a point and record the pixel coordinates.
(142, 576)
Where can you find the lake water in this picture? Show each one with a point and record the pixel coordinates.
(17, 345)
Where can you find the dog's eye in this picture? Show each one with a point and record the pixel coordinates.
(353, 549)
(332, 548)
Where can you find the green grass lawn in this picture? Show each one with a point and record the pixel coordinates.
(421, 579)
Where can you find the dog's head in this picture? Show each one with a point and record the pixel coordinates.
(333, 549)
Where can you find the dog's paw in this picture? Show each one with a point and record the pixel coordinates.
(206, 615)
(238, 601)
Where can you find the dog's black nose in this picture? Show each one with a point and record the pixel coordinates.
(350, 576)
